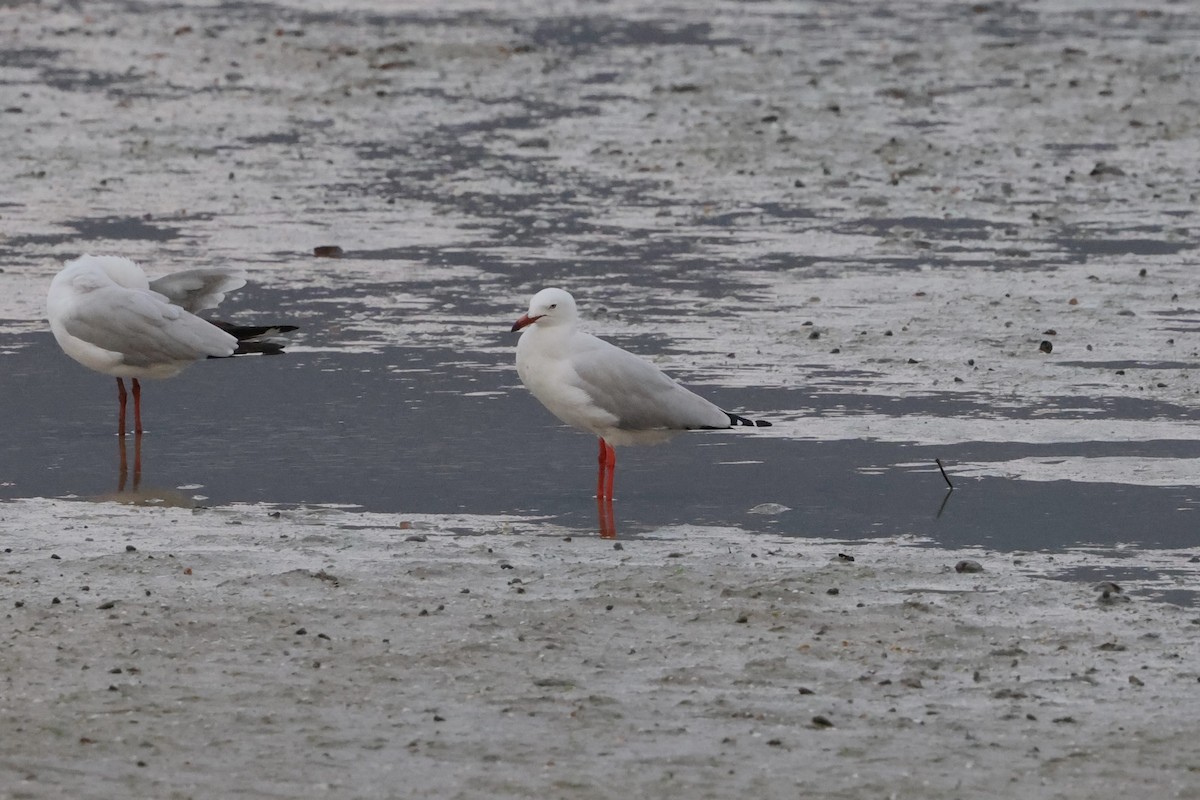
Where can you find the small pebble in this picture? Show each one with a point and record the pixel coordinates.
(327, 251)
(967, 565)
(1111, 593)
(1046, 346)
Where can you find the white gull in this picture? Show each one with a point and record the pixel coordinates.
(107, 315)
(596, 386)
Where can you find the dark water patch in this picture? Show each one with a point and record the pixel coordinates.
(89, 230)
(1074, 148)
(81, 80)
(610, 76)
(577, 32)
(937, 227)
(970, 88)
(1125, 575)
(139, 228)
(756, 216)
(29, 57)
(1121, 247)
(1115, 365)
(288, 137)
(1187, 598)
(999, 452)
(967, 404)
(922, 123)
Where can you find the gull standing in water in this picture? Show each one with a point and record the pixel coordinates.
(596, 386)
(107, 315)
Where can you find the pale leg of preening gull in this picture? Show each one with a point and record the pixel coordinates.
(137, 407)
(122, 397)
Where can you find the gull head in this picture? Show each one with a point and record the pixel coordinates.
(548, 308)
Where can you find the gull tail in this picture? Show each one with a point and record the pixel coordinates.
(255, 338)
(735, 420)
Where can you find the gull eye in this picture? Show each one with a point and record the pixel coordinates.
(553, 305)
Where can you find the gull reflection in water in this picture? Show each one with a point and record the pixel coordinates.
(604, 510)
(134, 494)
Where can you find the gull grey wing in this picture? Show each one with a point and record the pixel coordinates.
(197, 289)
(143, 328)
(639, 394)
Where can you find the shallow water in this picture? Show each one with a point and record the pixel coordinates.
(417, 431)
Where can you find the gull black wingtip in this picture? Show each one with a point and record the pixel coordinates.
(735, 420)
(248, 341)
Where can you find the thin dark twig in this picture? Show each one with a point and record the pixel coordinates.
(946, 477)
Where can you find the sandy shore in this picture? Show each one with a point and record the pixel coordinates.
(248, 653)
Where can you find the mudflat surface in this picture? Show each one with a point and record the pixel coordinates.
(229, 653)
(902, 231)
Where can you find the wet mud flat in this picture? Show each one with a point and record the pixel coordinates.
(245, 652)
(863, 218)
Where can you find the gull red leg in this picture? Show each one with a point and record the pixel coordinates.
(604, 511)
(607, 462)
(612, 471)
(137, 406)
(121, 395)
(603, 462)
